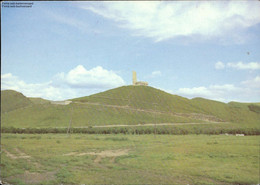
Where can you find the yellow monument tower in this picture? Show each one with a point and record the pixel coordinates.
(135, 82)
(134, 78)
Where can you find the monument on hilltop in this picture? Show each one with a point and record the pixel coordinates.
(135, 82)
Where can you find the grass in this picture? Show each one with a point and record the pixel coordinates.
(160, 159)
(143, 97)
(39, 101)
(12, 100)
(182, 129)
(87, 115)
(167, 157)
(149, 98)
(143, 103)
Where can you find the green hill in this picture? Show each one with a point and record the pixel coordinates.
(148, 98)
(128, 105)
(141, 97)
(228, 112)
(39, 101)
(255, 107)
(12, 100)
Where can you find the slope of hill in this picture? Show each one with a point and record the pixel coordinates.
(142, 97)
(149, 98)
(128, 105)
(227, 112)
(12, 100)
(255, 107)
(39, 100)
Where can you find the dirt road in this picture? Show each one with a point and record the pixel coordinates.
(145, 125)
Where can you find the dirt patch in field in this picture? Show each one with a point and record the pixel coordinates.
(33, 177)
(8, 154)
(71, 153)
(20, 155)
(103, 154)
(109, 153)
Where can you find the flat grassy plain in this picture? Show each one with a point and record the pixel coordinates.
(129, 159)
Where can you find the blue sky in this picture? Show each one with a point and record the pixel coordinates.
(62, 50)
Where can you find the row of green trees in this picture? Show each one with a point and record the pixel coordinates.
(135, 130)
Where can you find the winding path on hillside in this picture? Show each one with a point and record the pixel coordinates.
(146, 125)
(198, 116)
(152, 124)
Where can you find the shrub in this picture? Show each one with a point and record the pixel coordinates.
(140, 130)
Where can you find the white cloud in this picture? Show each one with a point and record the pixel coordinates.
(45, 90)
(238, 65)
(219, 65)
(165, 20)
(77, 82)
(156, 73)
(195, 91)
(252, 83)
(93, 78)
(69, 20)
(241, 65)
(224, 93)
(246, 91)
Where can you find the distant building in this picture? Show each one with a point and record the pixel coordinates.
(135, 82)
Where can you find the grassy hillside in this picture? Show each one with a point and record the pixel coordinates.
(142, 97)
(228, 112)
(83, 115)
(255, 107)
(127, 105)
(12, 100)
(39, 101)
(145, 97)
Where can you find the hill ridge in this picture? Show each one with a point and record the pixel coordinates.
(12, 100)
(129, 105)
